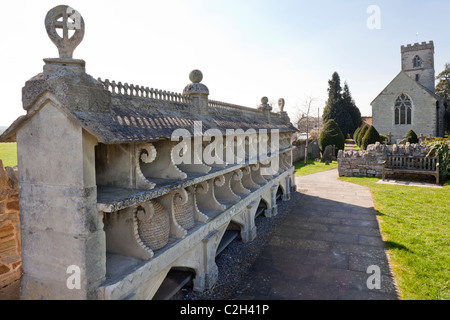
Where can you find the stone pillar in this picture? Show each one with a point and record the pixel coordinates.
(62, 237)
(208, 272)
(293, 182)
(62, 232)
(287, 193)
(197, 91)
(60, 224)
(248, 233)
(272, 212)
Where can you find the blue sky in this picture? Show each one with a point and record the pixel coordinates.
(246, 49)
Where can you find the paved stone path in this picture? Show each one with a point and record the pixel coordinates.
(350, 146)
(324, 247)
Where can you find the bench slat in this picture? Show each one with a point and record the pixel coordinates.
(410, 164)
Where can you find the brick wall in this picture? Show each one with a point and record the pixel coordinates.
(10, 258)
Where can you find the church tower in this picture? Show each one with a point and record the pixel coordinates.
(418, 63)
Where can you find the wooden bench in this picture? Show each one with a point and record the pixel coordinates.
(411, 164)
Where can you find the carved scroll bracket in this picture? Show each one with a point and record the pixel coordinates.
(145, 153)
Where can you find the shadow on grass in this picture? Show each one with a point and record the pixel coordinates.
(380, 213)
(395, 245)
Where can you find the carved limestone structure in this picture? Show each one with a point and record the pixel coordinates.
(120, 183)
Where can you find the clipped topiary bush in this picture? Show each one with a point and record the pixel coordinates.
(356, 133)
(361, 135)
(384, 139)
(370, 137)
(411, 137)
(331, 135)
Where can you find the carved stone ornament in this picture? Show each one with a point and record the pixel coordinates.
(264, 104)
(196, 87)
(65, 18)
(281, 104)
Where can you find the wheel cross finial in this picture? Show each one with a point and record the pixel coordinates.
(65, 18)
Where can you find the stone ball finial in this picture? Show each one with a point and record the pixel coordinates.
(196, 76)
(65, 18)
(195, 87)
(264, 100)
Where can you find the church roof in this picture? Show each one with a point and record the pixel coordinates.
(410, 81)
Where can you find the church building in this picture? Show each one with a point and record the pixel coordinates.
(409, 101)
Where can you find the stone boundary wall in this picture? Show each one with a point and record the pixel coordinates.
(10, 243)
(369, 163)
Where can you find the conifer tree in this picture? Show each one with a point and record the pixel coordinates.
(340, 107)
(331, 135)
(352, 109)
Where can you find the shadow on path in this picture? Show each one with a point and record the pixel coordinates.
(324, 248)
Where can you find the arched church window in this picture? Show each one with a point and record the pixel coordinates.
(417, 62)
(403, 109)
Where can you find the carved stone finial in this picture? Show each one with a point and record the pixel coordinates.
(65, 18)
(264, 104)
(281, 104)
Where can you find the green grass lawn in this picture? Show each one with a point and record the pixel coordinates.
(8, 154)
(415, 223)
(312, 167)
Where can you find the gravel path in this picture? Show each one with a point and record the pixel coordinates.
(237, 258)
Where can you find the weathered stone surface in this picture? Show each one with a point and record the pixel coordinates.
(65, 44)
(369, 162)
(80, 133)
(426, 118)
(327, 154)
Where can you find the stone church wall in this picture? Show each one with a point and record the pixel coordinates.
(10, 256)
(423, 117)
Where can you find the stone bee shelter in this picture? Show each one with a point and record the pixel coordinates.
(100, 190)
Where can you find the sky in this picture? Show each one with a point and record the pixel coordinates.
(246, 49)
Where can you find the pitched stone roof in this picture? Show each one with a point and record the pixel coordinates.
(410, 81)
(131, 120)
(137, 114)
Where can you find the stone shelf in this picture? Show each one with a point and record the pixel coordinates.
(124, 273)
(111, 199)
